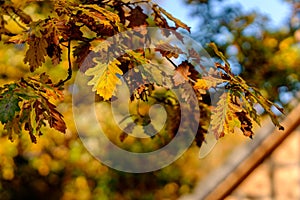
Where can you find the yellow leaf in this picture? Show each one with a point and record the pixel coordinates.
(231, 121)
(208, 82)
(102, 15)
(139, 57)
(224, 119)
(218, 117)
(33, 119)
(201, 84)
(105, 77)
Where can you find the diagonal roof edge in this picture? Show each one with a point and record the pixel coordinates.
(244, 160)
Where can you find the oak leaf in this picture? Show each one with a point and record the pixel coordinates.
(9, 105)
(56, 118)
(181, 74)
(105, 77)
(36, 53)
(18, 39)
(137, 17)
(223, 117)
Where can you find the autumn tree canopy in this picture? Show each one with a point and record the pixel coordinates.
(80, 29)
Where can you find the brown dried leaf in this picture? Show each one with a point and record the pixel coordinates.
(137, 17)
(246, 124)
(181, 74)
(36, 53)
(56, 119)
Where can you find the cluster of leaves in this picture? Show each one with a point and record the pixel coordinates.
(238, 103)
(84, 24)
(26, 105)
(87, 26)
(258, 48)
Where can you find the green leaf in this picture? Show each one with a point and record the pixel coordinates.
(12, 127)
(9, 105)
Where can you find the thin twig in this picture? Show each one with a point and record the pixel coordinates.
(171, 62)
(70, 67)
(20, 25)
(32, 86)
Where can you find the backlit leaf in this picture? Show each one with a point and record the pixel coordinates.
(18, 39)
(223, 117)
(99, 45)
(56, 119)
(246, 124)
(106, 13)
(105, 77)
(208, 82)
